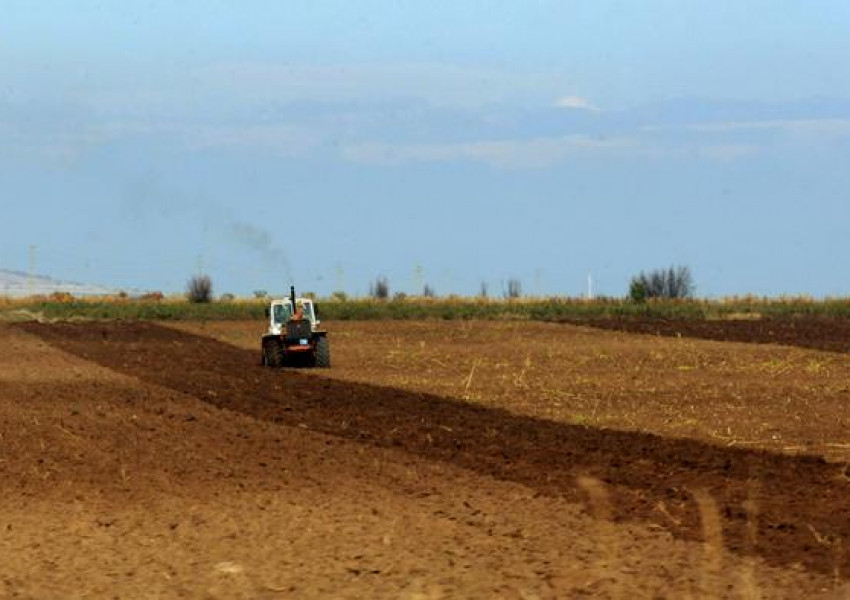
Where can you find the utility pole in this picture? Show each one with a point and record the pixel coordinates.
(418, 279)
(339, 271)
(589, 287)
(30, 269)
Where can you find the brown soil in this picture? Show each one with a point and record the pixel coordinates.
(433, 460)
(821, 333)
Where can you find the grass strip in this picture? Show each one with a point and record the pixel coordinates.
(540, 309)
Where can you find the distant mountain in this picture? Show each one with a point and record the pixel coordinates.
(17, 284)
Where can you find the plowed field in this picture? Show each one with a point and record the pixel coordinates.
(479, 460)
(820, 333)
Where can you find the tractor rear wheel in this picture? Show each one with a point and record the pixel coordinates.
(323, 353)
(274, 354)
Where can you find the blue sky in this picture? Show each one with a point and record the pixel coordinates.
(328, 143)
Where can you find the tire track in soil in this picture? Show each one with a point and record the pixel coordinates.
(801, 504)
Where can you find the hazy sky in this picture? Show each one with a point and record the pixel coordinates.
(328, 143)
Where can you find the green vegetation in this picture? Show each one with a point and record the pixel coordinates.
(339, 308)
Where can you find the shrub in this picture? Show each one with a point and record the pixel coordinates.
(199, 289)
(64, 297)
(680, 282)
(514, 288)
(673, 282)
(380, 288)
(227, 298)
(637, 290)
(260, 294)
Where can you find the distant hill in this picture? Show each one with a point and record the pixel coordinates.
(17, 284)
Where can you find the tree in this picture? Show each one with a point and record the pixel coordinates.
(428, 291)
(380, 288)
(514, 289)
(673, 282)
(199, 289)
(637, 290)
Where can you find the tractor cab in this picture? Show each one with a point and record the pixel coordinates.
(282, 312)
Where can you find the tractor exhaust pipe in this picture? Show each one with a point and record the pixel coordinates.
(292, 296)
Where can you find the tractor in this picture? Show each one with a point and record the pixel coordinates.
(294, 338)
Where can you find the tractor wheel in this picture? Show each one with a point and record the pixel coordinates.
(274, 355)
(323, 353)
